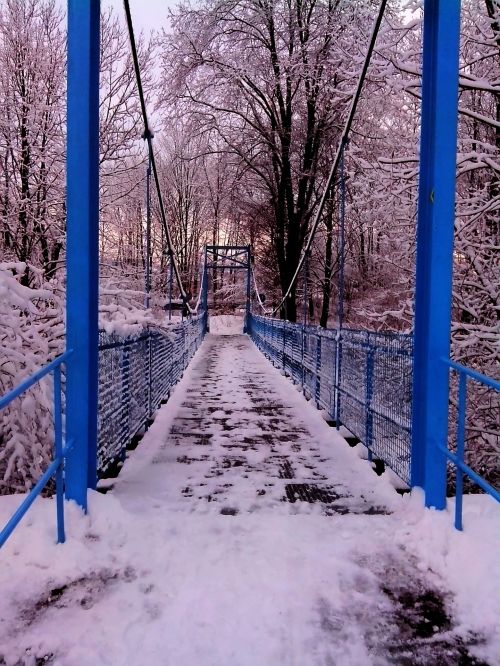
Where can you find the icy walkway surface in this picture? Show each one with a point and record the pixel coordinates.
(243, 531)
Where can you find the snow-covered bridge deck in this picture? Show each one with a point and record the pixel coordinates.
(243, 531)
(243, 439)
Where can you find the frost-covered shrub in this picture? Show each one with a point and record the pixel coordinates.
(31, 334)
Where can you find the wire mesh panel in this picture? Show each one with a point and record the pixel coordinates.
(391, 400)
(312, 346)
(135, 374)
(353, 384)
(376, 373)
(326, 369)
(361, 379)
(292, 351)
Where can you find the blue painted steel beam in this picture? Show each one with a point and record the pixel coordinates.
(82, 245)
(436, 212)
(246, 327)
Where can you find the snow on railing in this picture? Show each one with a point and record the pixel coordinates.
(361, 379)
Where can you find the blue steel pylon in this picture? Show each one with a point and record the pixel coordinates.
(436, 213)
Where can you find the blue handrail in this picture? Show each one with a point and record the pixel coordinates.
(477, 376)
(34, 379)
(457, 458)
(56, 466)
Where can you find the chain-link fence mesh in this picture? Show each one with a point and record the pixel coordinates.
(135, 374)
(363, 380)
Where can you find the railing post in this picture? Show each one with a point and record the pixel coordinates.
(302, 355)
(436, 211)
(125, 394)
(183, 346)
(338, 378)
(459, 486)
(283, 324)
(317, 388)
(58, 451)
(368, 400)
(150, 374)
(82, 245)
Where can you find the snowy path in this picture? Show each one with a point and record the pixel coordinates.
(243, 531)
(239, 439)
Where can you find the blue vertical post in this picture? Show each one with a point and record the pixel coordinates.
(246, 328)
(370, 361)
(82, 245)
(58, 452)
(205, 290)
(317, 386)
(462, 409)
(436, 212)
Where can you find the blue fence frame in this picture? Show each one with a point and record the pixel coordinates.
(136, 374)
(56, 466)
(457, 458)
(362, 379)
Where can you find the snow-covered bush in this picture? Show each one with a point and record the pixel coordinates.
(31, 334)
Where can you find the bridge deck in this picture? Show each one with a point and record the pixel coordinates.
(244, 440)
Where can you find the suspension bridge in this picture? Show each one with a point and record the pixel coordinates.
(240, 438)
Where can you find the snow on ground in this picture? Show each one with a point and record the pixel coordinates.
(204, 554)
(226, 324)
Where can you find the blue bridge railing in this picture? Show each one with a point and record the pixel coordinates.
(56, 466)
(136, 374)
(361, 379)
(457, 457)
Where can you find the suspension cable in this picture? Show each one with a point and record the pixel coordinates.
(148, 136)
(340, 308)
(200, 292)
(259, 299)
(338, 155)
